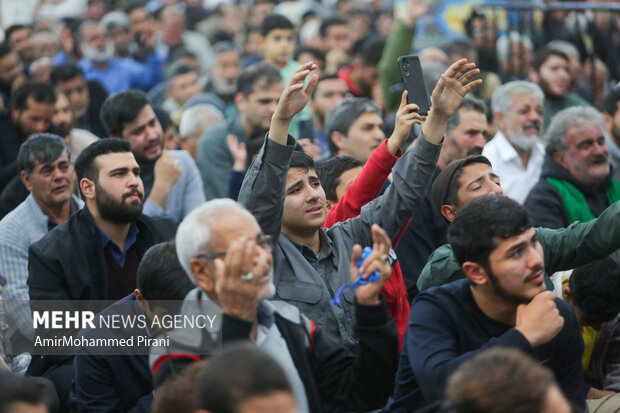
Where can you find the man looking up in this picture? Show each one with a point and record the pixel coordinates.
(170, 177)
(329, 91)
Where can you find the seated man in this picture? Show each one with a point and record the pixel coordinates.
(576, 183)
(171, 179)
(101, 381)
(564, 249)
(502, 302)
(282, 190)
(223, 250)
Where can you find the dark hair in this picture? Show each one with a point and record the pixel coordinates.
(595, 289)
(299, 159)
(133, 5)
(179, 391)
(330, 172)
(241, 372)
(64, 73)
(371, 50)
(160, 275)
(459, 46)
(122, 108)
(178, 69)
(164, 118)
(5, 49)
(307, 49)
(480, 222)
(323, 77)
(43, 148)
(468, 103)
(331, 21)
(344, 114)
(275, 21)
(85, 162)
(12, 29)
(499, 380)
(611, 101)
(452, 194)
(257, 73)
(19, 389)
(543, 54)
(40, 92)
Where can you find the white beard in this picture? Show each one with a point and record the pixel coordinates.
(94, 55)
(523, 141)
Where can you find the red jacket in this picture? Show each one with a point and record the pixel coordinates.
(362, 190)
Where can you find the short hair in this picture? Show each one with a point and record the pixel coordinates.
(328, 76)
(65, 72)
(199, 117)
(273, 22)
(179, 391)
(499, 380)
(40, 92)
(299, 159)
(85, 163)
(566, 119)
(115, 20)
(223, 47)
(193, 235)
(178, 69)
(565, 47)
(460, 46)
(330, 172)
(164, 118)
(18, 389)
(241, 372)
(503, 45)
(264, 73)
(611, 101)
(543, 54)
(595, 288)
(160, 275)
(13, 28)
(43, 148)
(371, 50)
(133, 5)
(445, 190)
(502, 97)
(344, 114)
(122, 108)
(329, 22)
(483, 220)
(468, 103)
(307, 49)
(5, 49)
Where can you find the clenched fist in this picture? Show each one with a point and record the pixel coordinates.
(540, 320)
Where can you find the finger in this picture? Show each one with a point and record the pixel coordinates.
(469, 75)
(379, 236)
(298, 77)
(356, 254)
(411, 107)
(233, 258)
(242, 146)
(472, 85)
(403, 101)
(232, 140)
(248, 256)
(260, 267)
(455, 68)
(314, 79)
(220, 269)
(374, 256)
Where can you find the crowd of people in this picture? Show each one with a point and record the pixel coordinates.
(256, 158)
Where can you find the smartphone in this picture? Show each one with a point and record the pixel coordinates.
(411, 73)
(306, 129)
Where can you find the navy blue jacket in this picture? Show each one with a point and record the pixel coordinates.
(446, 327)
(120, 383)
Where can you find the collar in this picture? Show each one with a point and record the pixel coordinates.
(132, 235)
(325, 249)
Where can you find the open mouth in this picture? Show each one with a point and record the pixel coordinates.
(317, 210)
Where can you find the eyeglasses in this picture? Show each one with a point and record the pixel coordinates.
(266, 242)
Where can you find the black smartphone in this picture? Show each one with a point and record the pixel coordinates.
(306, 129)
(411, 73)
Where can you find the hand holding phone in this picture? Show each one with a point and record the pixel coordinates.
(411, 73)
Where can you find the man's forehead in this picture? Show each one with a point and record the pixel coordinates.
(229, 224)
(331, 85)
(578, 133)
(62, 158)
(503, 244)
(522, 100)
(116, 160)
(467, 115)
(476, 170)
(261, 88)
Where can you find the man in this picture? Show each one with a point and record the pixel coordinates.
(11, 72)
(515, 152)
(85, 97)
(354, 128)
(64, 121)
(329, 91)
(564, 249)
(501, 380)
(101, 379)
(465, 135)
(195, 120)
(115, 74)
(182, 84)
(502, 302)
(514, 56)
(116, 25)
(19, 37)
(110, 235)
(335, 41)
(611, 117)
(224, 73)
(258, 89)
(362, 77)
(223, 250)
(282, 190)
(47, 173)
(171, 180)
(550, 71)
(576, 182)
(32, 108)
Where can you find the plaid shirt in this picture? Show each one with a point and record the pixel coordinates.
(23, 226)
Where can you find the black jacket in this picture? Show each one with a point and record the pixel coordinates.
(546, 205)
(68, 263)
(9, 147)
(14, 193)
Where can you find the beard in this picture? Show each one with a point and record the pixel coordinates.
(546, 88)
(96, 56)
(501, 292)
(269, 289)
(223, 88)
(118, 212)
(521, 140)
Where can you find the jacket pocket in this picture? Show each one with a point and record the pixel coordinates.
(299, 291)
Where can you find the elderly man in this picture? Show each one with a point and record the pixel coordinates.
(515, 152)
(226, 254)
(576, 182)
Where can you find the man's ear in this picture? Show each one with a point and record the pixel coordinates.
(329, 204)
(240, 101)
(26, 181)
(202, 274)
(182, 141)
(534, 76)
(88, 188)
(339, 140)
(142, 303)
(500, 119)
(560, 158)
(474, 271)
(449, 212)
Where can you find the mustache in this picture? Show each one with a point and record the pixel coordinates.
(132, 193)
(533, 124)
(597, 159)
(476, 150)
(534, 272)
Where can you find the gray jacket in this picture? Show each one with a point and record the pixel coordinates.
(296, 280)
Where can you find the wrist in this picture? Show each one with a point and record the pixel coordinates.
(369, 301)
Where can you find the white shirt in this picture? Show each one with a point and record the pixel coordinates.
(516, 180)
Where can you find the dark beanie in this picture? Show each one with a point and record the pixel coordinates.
(439, 191)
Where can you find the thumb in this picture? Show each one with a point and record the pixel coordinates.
(220, 268)
(356, 254)
(242, 146)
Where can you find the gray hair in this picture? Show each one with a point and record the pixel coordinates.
(344, 114)
(468, 103)
(194, 235)
(43, 148)
(502, 97)
(503, 45)
(223, 47)
(432, 71)
(566, 119)
(565, 47)
(198, 118)
(115, 20)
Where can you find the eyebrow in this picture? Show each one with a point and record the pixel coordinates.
(520, 245)
(294, 186)
(124, 169)
(139, 129)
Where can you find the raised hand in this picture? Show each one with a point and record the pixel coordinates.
(238, 152)
(378, 260)
(405, 119)
(417, 8)
(456, 82)
(295, 96)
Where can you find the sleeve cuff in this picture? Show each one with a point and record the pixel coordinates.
(274, 152)
(371, 315)
(234, 328)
